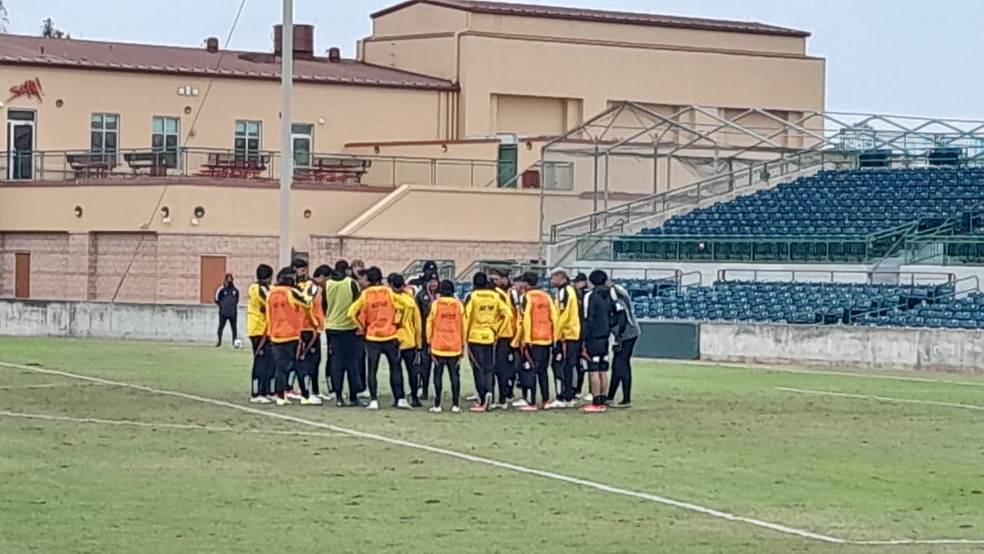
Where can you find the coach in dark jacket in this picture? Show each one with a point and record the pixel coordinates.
(227, 299)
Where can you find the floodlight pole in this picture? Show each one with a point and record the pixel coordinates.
(286, 117)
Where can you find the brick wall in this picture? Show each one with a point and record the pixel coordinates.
(146, 267)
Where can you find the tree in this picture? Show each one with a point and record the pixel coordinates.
(4, 19)
(49, 30)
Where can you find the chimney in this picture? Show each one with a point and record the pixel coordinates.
(303, 41)
(211, 45)
(334, 54)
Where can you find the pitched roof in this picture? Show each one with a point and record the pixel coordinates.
(118, 56)
(603, 16)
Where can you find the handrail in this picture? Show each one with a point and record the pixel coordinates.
(802, 161)
(869, 275)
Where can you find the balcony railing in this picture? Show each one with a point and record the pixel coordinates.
(82, 166)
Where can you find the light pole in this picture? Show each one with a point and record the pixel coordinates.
(286, 117)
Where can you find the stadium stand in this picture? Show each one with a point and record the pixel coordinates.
(848, 216)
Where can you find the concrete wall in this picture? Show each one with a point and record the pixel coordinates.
(101, 320)
(944, 350)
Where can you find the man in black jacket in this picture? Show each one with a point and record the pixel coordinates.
(425, 297)
(599, 311)
(227, 299)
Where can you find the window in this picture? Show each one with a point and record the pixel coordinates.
(104, 136)
(165, 134)
(247, 140)
(301, 141)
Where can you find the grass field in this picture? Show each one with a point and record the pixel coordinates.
(90, 466)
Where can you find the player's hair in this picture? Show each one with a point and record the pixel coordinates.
(374, 275)
(446, 288)
(298, 263)
(263, 272)
(396, 281)
(598, 278)
(481, 280)
(286, 276)
(531, 278)
(322, 271)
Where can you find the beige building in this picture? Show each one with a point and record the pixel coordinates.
(136, 172)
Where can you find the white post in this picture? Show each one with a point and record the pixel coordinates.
(286, 118)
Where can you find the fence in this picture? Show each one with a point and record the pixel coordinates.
(314, 168)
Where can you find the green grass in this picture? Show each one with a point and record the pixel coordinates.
(720, 437)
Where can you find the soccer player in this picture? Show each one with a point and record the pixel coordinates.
(446, 338)
(256, 327)
(566, 352)
(425, 298)
(359, 273)
(626, 333)
(538, 333)
(580, 365)
(300, 268)
(484, 313)
(407, 333)
(599, 311)
(375, 313)
(506, 357)
(309, 360)
(343, 347)
(286, 312)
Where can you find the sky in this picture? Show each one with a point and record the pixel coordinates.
(901, 57)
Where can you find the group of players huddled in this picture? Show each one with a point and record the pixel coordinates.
(511, 332)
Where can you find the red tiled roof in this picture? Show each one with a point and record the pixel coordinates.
(86, 54)
(603, 16)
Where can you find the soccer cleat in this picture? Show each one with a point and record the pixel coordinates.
(500, 406)
(402, 404)
(477, 408)
(623, 404)
(528, 408)
(373, 405)
(356, 404)
(472, 398)
(259, 400)
(364, 395)
(593, 409)
(455, 409)
(283, 401)
(521, 403)
(293, 395)
(326, 397)
(340, 403)
(571, 404)
(435, 409)
(488, 401)
(415, 402)
(311, 401)
(554, 404)
(588, 398)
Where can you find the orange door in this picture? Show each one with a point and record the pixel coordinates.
(22, 275)
(213, 275)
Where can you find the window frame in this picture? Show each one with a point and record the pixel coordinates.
(108, 155)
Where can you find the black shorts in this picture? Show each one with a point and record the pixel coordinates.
(597, 354)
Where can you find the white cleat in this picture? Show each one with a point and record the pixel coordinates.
(500, 406)
(402, 404)
(571, 404)
(435, 410)
(555, 405)
(327, 397)
(364, 395)
(455, 409)
(293, 395)
(283, 402)
(373, 405)
(521, 403)
(259, 400)
(588, 398)
(472, 398)
(311, 401)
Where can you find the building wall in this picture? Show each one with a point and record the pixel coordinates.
(350, 113)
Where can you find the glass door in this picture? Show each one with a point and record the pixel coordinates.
(20, 141)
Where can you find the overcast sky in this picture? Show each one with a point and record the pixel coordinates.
(912, 57)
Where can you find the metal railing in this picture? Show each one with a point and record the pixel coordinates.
(762, 173)
(946, 250)
(316, 168)
(833, 277)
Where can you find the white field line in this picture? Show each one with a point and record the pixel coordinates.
(154, 425)
(52, 386)
(501, 465)
(858, 374)
(881, 398)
